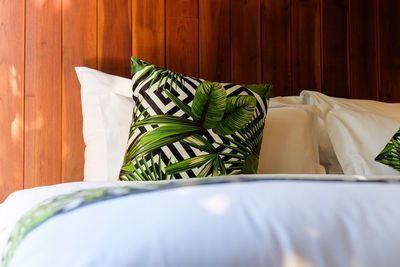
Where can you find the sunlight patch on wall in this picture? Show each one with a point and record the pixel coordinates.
(35, 124)
(16, 129)
(13, 80)
(56, 3)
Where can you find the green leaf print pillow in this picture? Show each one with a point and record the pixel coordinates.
(184, 127)
(390, 155)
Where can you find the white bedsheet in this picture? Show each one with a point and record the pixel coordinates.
(263, 223)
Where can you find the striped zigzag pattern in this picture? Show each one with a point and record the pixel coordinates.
(151, 100)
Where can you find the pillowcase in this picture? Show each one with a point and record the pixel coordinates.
(390, 155)
(326, 103)
(357, 138)
(107, 111)
(186, 127)
(287, 100)
(290, 142)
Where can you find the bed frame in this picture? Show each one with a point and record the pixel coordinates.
(347, 48)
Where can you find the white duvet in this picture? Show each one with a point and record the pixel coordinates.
(262, 223)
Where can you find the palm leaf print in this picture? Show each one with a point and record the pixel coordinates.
(390, 155)
(209, 114)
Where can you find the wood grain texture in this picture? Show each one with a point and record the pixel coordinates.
(79, 49)
(182, 34)
(335, 78)
(12, 28)
(114, 36)
(306, 45)
(276, 46)
(214, 40)
(389, 50)
(363, 49)
(182, 8)
(245, 41)
(148, 31)
(43, 94)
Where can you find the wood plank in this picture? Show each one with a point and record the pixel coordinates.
(182, 8)
(389, 27)
(306, 45)
(182, 34)
(363, 48)
(335, 79)
(276, 39)
(148, 31)
(12, 28)
(245, 41)
(79, 49)
(43, 93)
(214, 40)
(114, 46)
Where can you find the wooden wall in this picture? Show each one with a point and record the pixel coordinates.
(347, 48)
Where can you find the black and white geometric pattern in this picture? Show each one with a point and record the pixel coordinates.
(153, 101)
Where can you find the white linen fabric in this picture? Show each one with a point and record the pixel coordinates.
(290, 140)
(358, 137)
(107, 111)
(288, 100)
(263, 223)
(325, 104)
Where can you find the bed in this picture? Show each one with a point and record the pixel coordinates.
(263, 220)
(317, 186)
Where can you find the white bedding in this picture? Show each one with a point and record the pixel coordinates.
(262, 223)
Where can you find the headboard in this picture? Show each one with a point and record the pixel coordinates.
(347, 48)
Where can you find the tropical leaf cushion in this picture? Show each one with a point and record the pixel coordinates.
(185, 127)
(390, 155)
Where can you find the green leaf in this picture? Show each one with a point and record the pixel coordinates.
(200, 143)
(251, 164)
(145, 172)
(165, 72)
(209, 104)
(263, 90)
(158, 137)
(128, 167)
(215, 168)
(207, 169)
(239, 111)
(185, 108)
(159, 74)
(166, 120)
(136, 65)
(189, 164)
(221, 166)
(385, 152)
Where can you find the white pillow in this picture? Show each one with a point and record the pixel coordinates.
(289, 100)
(107, 112)
(358, 137)
(290, 140)
(325, 104)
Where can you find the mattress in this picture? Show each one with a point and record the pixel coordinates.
(257, 220)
